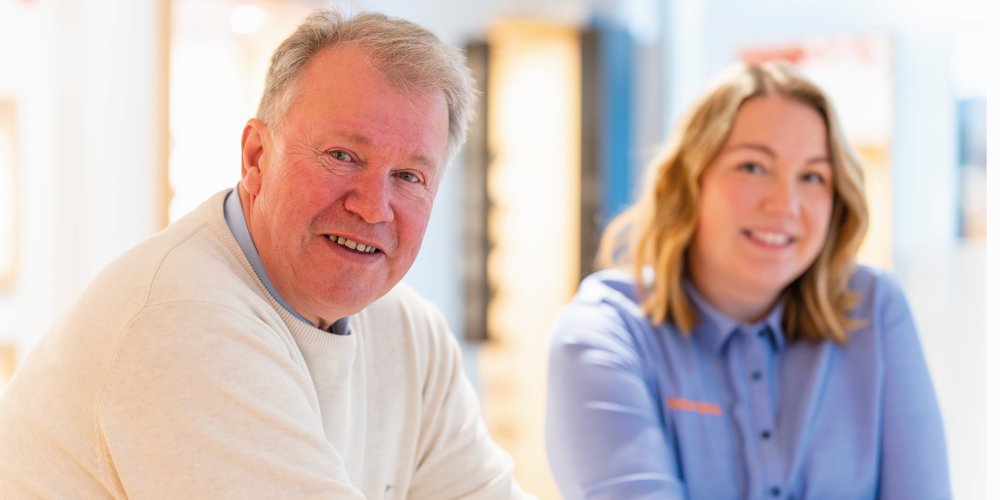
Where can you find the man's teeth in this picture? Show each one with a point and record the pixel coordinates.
(776, 239)
(353, 245)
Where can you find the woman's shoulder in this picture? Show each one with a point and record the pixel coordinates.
(608, 286)
(881, 302)
(604, 311)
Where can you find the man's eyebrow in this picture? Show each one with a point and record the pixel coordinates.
(365, 141)
(356, 138)
(423, 160)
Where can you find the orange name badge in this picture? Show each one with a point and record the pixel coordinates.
(681, 404)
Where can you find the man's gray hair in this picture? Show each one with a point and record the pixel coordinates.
(408, 56)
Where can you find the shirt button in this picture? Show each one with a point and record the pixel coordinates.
(775, 491)
(765, 435)
(755, 375)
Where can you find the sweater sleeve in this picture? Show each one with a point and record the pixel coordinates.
(456, 458)
(914, 460)
(604, 435)
(204, 402)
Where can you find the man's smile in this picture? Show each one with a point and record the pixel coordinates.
(353, 245)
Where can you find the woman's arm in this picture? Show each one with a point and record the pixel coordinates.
(604, 433)
(914, 456)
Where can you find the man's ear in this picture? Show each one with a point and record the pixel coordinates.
(256, 146)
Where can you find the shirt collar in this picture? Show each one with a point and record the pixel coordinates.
(715, 328)
(233, 209)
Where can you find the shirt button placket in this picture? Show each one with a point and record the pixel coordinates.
(758, 357)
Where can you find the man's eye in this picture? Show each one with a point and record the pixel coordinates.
(340, 155)
(408, 176)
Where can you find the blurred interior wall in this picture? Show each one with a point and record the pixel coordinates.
(534, 184)
(89, 81)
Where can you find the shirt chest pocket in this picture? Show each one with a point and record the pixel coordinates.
(701, 435)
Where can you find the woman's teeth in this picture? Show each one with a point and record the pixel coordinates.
(776, 239)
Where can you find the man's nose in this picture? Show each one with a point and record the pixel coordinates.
(369, 197)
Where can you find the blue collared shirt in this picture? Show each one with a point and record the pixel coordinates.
(233, 211)
(637, 410)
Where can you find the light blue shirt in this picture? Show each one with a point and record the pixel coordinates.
(233, 211)
(638, 411)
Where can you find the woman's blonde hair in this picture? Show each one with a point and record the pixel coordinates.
(656, 231)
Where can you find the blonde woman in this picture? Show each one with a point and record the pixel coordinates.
(733, 348)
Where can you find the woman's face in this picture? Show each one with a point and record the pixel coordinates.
(765, 206)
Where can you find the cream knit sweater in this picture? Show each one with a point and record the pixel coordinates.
(177, 375)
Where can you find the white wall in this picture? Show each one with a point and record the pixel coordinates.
(992, 355)
(88, 82)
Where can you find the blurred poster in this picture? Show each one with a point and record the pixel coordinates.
(8, 194)
(8, 361)
(856, 72)
(971, 117)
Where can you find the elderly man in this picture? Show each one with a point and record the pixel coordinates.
(261, 347)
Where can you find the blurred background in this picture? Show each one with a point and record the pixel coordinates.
(116, 118)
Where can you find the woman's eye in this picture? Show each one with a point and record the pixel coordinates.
(340, 155)
(814, 178)
(753, 168)
(408, 176)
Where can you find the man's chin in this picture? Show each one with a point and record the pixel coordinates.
(345, 301)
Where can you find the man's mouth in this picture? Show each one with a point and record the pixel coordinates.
(353, 245)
